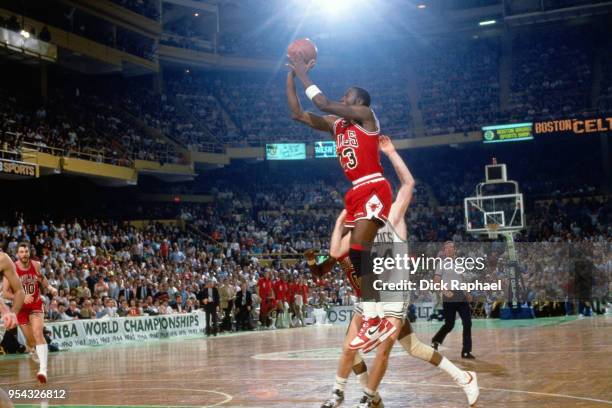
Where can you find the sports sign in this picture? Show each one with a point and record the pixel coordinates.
(573, 126)
(515, 132)
(17, 168)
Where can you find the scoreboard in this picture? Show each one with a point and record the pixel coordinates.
(325, 149)
(286, 151)
(515, 132)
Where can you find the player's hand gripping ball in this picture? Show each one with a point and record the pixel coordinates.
(302, 49)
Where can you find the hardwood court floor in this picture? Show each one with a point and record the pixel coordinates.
(552, 363)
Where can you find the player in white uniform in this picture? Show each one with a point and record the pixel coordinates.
(394, 232)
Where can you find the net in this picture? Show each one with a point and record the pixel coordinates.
(492, 231)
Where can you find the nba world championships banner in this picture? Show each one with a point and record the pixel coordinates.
(80, 333)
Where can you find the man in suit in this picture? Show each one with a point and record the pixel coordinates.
(209, 299)
(227, 294)
(244, 303)
(128, 292)
(142, 291)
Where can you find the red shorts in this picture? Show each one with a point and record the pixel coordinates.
(368, 200)
(23, 317)
(267, 305)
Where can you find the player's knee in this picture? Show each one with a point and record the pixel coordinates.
(360, 367)
(467, 324)
(416, 348)
(449, 326)
(348, 352)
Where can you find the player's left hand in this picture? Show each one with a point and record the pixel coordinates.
(52, 291)
(299, 66)
(9, 320)
(385, 144)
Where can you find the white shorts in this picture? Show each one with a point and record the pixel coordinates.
(391, 309)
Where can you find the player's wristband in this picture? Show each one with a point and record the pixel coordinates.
(312, 91)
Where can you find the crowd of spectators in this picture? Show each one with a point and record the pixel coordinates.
(551, 75)
(459, 85)
(605, 94)
(258, 222)
(78, 123)
(147, 8)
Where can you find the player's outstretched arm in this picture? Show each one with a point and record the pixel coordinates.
(43, 280)
(323, 123)
(12, 282)
(359, 113)
(340, 240)
(406, 190)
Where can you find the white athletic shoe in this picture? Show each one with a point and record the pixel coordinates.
(336, 399)
(34, 356)
(42, 376)
(377, 402)
(472, 392)
(365, 402)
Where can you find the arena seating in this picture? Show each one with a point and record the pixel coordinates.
(75, 122)
(459, 85)
(256, 215)
(563, 88)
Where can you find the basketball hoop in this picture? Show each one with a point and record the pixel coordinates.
(492, 231)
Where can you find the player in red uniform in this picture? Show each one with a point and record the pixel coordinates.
(30, 317)
(355, 129)
(281, 290)
(405, 336)
(266, 294)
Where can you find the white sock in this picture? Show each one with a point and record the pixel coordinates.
(340, 383)
(458, 375)
(42, 351)
(380, 310)
(363, 379)
(370, 310)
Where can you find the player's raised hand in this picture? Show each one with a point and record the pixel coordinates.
(299, 65)
(385, 144)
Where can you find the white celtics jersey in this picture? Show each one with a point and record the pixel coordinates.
(388, 244)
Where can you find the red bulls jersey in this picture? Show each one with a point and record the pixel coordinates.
(357, 150)
(281, 290)
(30, 280)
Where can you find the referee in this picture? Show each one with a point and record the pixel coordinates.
(453, 302)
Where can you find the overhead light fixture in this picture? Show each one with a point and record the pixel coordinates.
(422, 6)
(196, 14)
(24, 34)
(487, 22)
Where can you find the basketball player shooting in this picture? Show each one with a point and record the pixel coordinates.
(394, 311)
(355, 128)
(30, 317)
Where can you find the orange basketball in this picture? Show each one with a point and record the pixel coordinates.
(304, 46)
